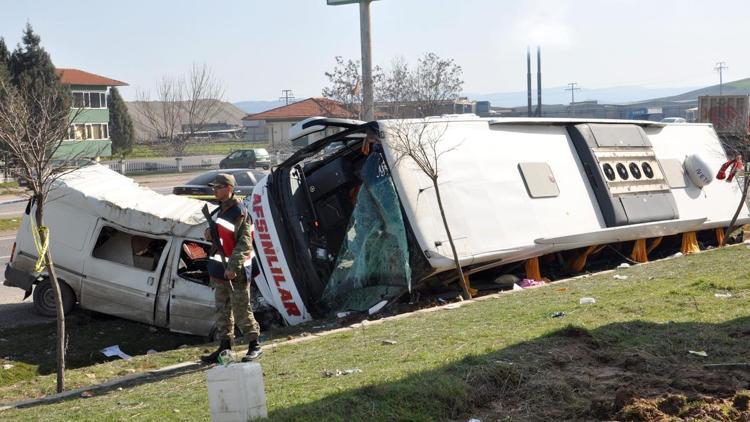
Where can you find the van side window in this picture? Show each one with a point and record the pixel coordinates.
(127, 249)
(193, 264)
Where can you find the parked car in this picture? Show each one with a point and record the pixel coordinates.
(247, 158)
(673, 120)
(198, 186)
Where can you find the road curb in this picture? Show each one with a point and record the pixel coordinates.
(13, 201)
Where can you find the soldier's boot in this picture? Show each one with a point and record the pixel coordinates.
(225, 344)
(253, 351)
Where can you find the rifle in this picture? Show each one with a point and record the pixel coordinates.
(216, 241)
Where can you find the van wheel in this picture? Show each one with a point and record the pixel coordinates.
(44, 298)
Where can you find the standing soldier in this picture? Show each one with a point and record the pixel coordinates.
(230, 283)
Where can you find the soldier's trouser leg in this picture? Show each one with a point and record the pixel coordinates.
(243, 315)
(223, 311)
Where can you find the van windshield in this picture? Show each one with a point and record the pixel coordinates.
(373, 262)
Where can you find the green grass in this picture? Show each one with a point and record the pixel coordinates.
(500, 358)
(199, 148)
(8, 224)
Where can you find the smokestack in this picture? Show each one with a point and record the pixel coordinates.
(528, 78)
(538, 81)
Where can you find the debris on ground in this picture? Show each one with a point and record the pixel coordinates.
(452, 306)
(91, 376)
(87, 394)
(558, 314)
(527, 283)
(337, 373)
(388, 342)
(586, 300)
(623, 265)
(7, 366)
(115, 351)
(723, 295)
(620, 277)
(698, 353)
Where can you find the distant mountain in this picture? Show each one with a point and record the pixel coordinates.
(558, 95)
(252, 107)
(739, 87)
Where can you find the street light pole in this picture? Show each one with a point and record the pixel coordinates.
(364, 31)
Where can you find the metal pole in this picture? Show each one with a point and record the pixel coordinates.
(364, 30)
(528, 81)
(538, 82)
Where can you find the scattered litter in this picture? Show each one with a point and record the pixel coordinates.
(343, 314)
(651, 277)
(527, 283)
(87, 394)
(723, 295)
(7, 366)
(698, 353)
(151, 352)
(503, 362)
(620, 277)
(474, 420)
(388, 342)
(586, 300)
(562, 289)
(184, 346)
(176, 410)
(558, 314)
(115, 351)
(91, 376)
(517, 287)
(378, 306)
(623, 265)
(452, 306)
(338, 373)
(119, 388)
(677, 255)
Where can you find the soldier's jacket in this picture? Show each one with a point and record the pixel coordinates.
(233, 212)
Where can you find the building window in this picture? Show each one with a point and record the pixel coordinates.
(82, 131)
(89, 100)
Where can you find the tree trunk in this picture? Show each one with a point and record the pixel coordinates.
(465, 293)
(39, 215)
(730, 229)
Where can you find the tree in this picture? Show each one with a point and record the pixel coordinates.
(183, 106)
(120, 125)
(4, 60)
(420, 142)
(35, 114)
(427, 89)
(346, 84)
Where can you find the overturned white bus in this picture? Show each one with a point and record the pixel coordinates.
(351, 224)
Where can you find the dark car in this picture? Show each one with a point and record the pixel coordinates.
(247, 158)
(198, 186)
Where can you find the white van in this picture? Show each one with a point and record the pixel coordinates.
(358, 229)
(120, 249)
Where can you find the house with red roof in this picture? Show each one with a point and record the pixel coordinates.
(273, 125)
(88, 135)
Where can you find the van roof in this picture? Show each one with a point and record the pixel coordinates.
(99, 191)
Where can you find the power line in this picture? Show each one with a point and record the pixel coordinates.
(572, 90)
(721, 67)
(288, 96)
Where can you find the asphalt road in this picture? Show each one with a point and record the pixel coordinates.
(14, 310)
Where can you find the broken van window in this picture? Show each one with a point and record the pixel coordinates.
(193, 265)
(373, 262)
(132, 250)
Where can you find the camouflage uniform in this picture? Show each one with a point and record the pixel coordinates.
(233, 306)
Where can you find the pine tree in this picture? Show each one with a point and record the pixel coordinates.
(4, 60)
(120, 124)
(31, 70)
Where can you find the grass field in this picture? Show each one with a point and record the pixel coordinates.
(625, 357)
(8, 224)
(203, 148)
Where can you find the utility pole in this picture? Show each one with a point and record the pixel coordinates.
(721, 67)
(287, 96)
(572, 90)
(364, 33)
(538, 82)
(368, 109)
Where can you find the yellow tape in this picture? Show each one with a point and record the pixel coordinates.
(41, 249)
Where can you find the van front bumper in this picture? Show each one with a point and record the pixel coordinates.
(18, 278)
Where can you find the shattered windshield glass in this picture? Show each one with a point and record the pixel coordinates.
(373, 262)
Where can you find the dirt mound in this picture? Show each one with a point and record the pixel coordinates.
(574, 376)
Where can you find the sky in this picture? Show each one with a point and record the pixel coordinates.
(258, 48)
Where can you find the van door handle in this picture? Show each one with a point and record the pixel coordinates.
(150, 281)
